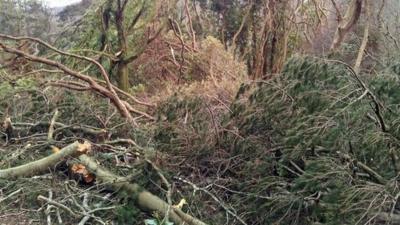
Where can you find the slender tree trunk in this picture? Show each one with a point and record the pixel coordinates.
(122, 66)
(357, 65)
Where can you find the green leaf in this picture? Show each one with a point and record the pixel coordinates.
(150, 222)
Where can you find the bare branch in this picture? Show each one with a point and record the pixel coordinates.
(108, 92)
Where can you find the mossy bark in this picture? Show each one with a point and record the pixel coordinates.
(123, 77)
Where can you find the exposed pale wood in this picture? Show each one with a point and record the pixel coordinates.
(43, 165)
(364, 42)
(146, 200)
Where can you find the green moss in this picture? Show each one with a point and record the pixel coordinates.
(128, 213)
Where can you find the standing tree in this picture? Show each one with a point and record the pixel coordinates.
(116, 33)
(351, 17)
(256, 30)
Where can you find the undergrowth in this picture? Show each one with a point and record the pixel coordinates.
(301, 148)
(314, 145)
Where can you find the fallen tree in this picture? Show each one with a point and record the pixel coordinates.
(146, 200)
(43, 165)
(319, 143)
(83, 82)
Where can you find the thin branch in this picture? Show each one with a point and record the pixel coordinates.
(59, 205)
(338, 14)
(51, 127)
(136, 19)
(108, 92)
(101, 68)
(215, 198)
(169, 191)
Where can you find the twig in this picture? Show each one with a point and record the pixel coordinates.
(85, 208)
(377, 177)
(169, 191)
(10, 195)
(197, 188)
(59, 216)
(123, 141)
(48, 209)
(51, 127)
(57, 204)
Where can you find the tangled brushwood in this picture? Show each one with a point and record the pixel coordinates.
(317, 144)
(200, 112)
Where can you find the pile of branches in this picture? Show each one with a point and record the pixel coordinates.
(42, 124)
(61, 144)
(315, 145)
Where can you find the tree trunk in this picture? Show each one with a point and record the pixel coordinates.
(146, 200)
(270, 48)
(123, 76)
(357, 65)
(350, 19)
(122, 66)
(44, 164)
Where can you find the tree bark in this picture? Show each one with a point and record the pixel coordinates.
(123, 76)
(44, 164)
(122, 65)
(269, 49)
(345, 24)
(364, 42)
(146, 200)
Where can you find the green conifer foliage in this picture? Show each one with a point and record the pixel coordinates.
(309, 142)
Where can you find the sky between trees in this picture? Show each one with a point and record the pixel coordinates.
(59, 3)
